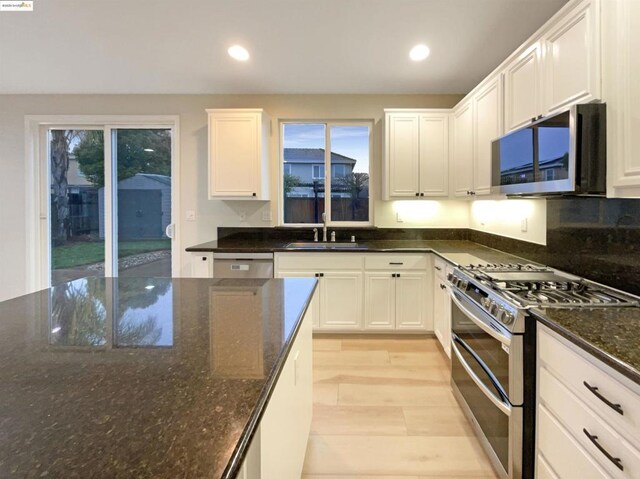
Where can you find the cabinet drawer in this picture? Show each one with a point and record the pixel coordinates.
(577, 418)
(395, 262)
(574, 371)
(567, 458)
(319, 261)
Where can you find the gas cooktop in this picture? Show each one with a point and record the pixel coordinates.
(537, 285)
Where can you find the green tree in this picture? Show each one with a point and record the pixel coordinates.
(137, 151)
(59, 164)
(289, 183)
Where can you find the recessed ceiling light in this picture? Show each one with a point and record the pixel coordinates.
(419, 52)
(238, 53)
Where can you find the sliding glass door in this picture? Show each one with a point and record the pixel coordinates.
(111, 201)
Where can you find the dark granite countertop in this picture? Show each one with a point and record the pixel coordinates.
(456, 252)
(610, 334)
(141, 377)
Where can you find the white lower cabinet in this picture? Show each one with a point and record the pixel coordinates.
(587, 415)
(372, 292)
(411, 301)
(396, 301)
(442, 305)
(279, 446)
(201, 265)
(340, 307)
(380, 300)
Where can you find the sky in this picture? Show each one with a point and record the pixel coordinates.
(351, 141)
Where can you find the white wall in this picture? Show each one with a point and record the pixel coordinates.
(520, 219)
(422, 214)
(193, 153)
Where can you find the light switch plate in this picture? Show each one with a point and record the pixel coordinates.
(524, 225)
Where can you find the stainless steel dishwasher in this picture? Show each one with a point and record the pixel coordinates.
(243, 265)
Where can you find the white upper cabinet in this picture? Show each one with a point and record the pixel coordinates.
(571, 58)
(621, 91)
(403, 154)
(487, 107)
(238, 154)
(416, 153)
(462, 149)
(434, 154)
(522, 79)
(558, 69)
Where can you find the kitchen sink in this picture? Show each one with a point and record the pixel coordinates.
(314, 245)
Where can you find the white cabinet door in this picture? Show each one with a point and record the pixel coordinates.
(572, 59)
(379, 300)
(201, 265)
(621, 71)
(341, 300)
(488, 126)
(403, 154)
(462, 154)
(411, 304)
(284, 427)
(238, 154)
(522, 80)
(442, 314)
(434, 155)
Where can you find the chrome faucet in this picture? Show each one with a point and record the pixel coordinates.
(324, 227)
(315, 235)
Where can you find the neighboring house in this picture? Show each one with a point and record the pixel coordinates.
(308, 165)
(148, 206)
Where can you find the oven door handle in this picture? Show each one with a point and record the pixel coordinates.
(505, 407)
(494, 333)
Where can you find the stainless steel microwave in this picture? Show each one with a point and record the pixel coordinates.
(564, 153)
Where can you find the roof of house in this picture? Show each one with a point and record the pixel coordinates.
(165, 180)
(313, 155)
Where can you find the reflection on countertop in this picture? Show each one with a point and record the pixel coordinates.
(140, 377)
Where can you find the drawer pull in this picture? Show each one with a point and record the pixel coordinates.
(438, 268)
(396, 264)
(616, 407)
(594, 439)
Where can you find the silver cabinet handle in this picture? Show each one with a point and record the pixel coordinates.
(505, 408)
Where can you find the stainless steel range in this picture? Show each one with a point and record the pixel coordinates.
(493, 344)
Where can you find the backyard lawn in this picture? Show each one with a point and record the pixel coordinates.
(82, 253)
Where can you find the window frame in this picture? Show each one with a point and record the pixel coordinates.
(370, 123)
(321, 168)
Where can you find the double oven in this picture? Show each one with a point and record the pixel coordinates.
(488, 371)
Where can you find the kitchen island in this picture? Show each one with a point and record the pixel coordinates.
(152, 377)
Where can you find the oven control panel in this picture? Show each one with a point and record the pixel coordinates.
(498, 307)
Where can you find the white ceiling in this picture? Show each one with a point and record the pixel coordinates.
(296, 46)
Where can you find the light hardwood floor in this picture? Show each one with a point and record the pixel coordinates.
(383, 409)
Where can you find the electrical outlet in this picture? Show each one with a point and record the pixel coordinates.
(191, 215)
(524, 225)
(399, 218)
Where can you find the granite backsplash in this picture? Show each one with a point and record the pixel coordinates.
(597, 238)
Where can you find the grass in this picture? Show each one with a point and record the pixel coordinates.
(82, 253)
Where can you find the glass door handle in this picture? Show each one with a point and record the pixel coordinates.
(170, 230)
